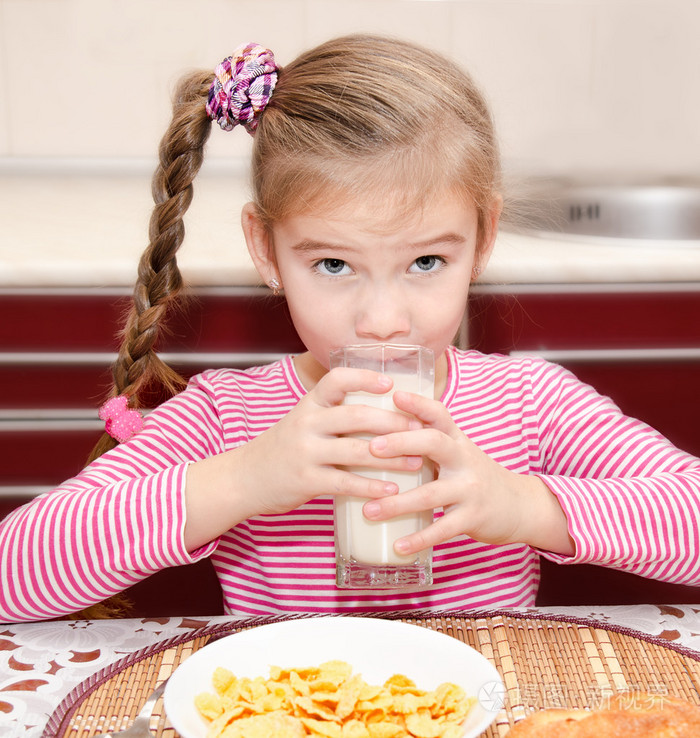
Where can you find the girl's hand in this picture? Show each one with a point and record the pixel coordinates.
(300, 457)
(480, 498)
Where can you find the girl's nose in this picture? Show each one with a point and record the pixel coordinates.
(382, 316)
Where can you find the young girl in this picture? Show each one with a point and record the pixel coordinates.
(376, 202)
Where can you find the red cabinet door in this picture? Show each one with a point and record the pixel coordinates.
(642, 349)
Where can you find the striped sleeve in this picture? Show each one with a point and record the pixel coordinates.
(631, 498)
(120, 520)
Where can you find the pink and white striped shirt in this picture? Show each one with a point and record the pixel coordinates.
(631, 498)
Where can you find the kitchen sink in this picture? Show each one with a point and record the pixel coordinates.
(662, 213)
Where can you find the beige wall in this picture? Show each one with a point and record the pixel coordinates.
(576, 85)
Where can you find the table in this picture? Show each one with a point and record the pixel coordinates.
(42, 662)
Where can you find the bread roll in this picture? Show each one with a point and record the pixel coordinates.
(633, 715)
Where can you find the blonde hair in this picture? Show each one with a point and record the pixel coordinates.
(363, 115)
(359, 116)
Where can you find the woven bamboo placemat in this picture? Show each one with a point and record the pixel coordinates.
(544, 662)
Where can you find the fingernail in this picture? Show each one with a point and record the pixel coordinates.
(385, 381)
(371, 509)
(379, 443)
(401, 546)
(415, 425)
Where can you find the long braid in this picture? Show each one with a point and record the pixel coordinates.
(139, 373)
(138, 370)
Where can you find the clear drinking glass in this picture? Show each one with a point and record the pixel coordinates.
(364, 549)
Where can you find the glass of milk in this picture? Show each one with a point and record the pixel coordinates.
(364, 549)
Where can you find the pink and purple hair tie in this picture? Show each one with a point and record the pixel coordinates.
(242, 87)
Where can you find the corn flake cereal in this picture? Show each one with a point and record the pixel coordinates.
(329, 701)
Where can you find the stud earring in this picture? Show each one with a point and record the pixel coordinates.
(275, 286)
(476, 271)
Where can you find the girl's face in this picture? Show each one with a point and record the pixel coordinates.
(359, 276)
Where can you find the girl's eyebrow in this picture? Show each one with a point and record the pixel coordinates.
(309, 245)
(445, 238)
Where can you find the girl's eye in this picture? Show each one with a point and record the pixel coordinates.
(427, 264)
(332, 266)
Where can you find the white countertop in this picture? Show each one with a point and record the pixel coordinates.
(88, 230)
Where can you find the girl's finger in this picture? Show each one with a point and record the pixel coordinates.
(345, 419)
(431, 413)
(440, 531)
(443, 528)
(333, 387)
(355, 452)
(341, 482)
(420, 499)
(429, 442)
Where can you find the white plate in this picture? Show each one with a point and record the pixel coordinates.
(375, 648)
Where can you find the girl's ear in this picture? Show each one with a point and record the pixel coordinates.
(259, 244)
(491, 231)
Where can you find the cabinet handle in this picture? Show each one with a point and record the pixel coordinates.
(23, 491)
(78, 358)
(612, 355)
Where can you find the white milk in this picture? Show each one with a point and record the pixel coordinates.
(371, 541)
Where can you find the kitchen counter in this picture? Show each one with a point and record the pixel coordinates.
(88, 230)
